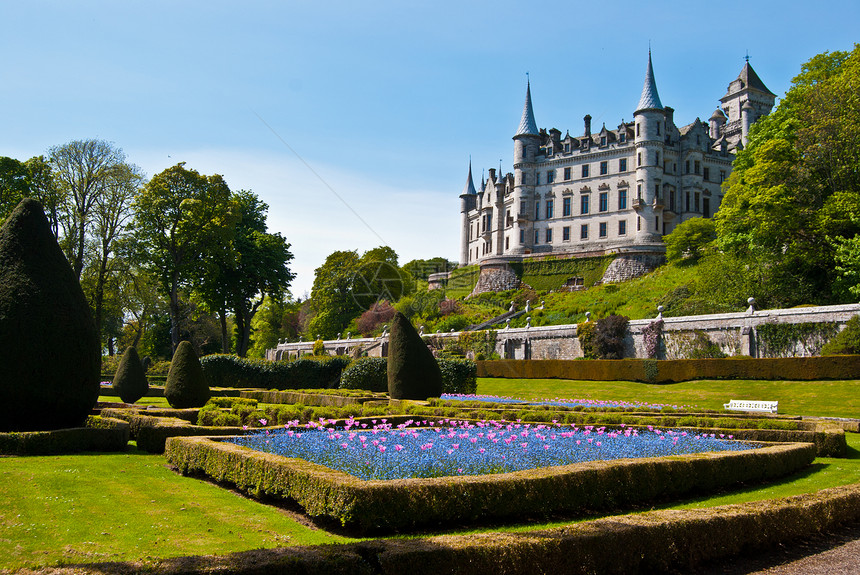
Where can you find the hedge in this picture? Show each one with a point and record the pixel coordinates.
(289, 397)
(151, 432)
(839, 367)
(408, 504)
(370, 373)
(101, 434)
(234, 371)
(652, 542)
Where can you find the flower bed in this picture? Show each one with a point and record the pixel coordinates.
(408, 504)
(462, 448)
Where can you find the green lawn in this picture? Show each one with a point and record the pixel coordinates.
(127, 506)
(821, 398)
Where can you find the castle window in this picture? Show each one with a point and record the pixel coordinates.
(585, 171)
(638, 224)
(583, 232)
(637, 130)
(657, 163)
(566, 174)
(706, 207)
(565, 207)
(537, 237)
(565, 233)
(583, 204)
(548, 236)
(707, 174)
(537, 178)
(622, 165)
(671, 200)
(698, 166)
(639, 159)
(522, 236)
(549, 150)
(604, 168)
(550, 176)
(722, 176)
(604, 201)
(602, 229)
(639, 191)
(602, 140)
(622, 199)
(696, 202)
(622, 137)
(522, 206)
(549, 209)
(507, 243)
(687, 167)
(567, 147)
(688, 202)
(622, 227)
(656, 223)
(585, 143)
(537, 210)
(658, 128)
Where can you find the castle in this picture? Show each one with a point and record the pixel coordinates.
(610, 191)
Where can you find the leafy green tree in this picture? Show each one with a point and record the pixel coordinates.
(421, 269)
(14, 185)
(331, 295)
(183, 222)
(787, 214)
(689, 240)
(275, 320)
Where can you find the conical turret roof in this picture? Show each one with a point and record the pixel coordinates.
(650, 99)
(528, 126)
(469, 189)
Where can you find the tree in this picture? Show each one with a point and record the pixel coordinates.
(331, 294)
(14, 185)
(689, 240)
(183, 221)
(275, 320)
(256, 266)
(789, 205)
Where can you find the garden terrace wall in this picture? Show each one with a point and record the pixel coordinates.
(408, 504)
(101, 434)
(841, 367)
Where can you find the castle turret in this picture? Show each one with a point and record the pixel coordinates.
(650, 119)
(747, 88)
(467, 203)
(717, 121)
(747, 114)
(526, 143)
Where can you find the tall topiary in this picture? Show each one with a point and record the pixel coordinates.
(412, 370)
(49, 347)
(186, 384)
(130, 378)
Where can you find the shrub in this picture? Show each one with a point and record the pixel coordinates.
(48, 342)
(701, 347)
(130, 379)
(459, 376)
(609, 334)
(380, 313)
(186, 383)
(585, 335)
(412, 370)
(847, 341)
(319, 348)
(370, 373)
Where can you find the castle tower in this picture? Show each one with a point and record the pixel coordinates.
(747, 88)
(526, 144)
(650, 133)
(467, 202)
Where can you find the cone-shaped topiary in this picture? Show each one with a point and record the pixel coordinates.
(412, 370)
(186, 384)
(129, 381)
(49, 347)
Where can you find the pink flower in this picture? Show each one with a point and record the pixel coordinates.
(264, 421)
(398, 447)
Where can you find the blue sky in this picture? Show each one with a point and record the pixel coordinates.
(355, 121)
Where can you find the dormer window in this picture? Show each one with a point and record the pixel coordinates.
(602, 140)
(549, 150)
(585, 143)
(622, 137)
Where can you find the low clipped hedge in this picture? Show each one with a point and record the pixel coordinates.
(408, 504)
(234, 371)
(326, 400)
(151, 432)
(101, 434)
(839, 367)
(370, 373)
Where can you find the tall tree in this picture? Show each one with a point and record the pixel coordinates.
(183, 222)
(332, 296)
(83, 172)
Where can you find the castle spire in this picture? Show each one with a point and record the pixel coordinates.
(649, 100)
(469, 189)
(528, 126)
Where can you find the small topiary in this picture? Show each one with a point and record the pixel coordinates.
(186, 384)
(49, 347)
(412, 370)
(130, 378)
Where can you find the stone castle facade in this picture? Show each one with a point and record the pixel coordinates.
(606, 191)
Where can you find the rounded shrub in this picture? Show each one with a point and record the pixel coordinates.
(49, 347)
(370, 373)
(186, 384)
(129, 381)
(412, 370)
(847, 341)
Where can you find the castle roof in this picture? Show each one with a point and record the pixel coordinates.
(469, 189)
(650, 99)
(528, 126)
(749, 79)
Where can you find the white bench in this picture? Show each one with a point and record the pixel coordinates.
(745, 405)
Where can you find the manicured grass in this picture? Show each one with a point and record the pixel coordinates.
(142, 402)
(820, 398)
(128, 506)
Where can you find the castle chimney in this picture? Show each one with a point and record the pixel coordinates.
(587, 119)
(493, 174)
